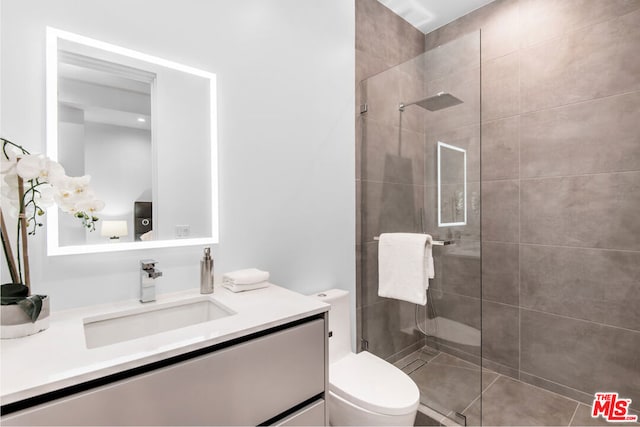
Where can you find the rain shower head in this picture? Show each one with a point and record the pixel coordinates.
(437, 102)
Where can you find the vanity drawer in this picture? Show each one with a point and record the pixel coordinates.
(245, 384)
(310, 415)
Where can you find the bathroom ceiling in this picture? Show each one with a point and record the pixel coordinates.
(427, 15)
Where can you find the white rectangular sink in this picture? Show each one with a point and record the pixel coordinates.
(148, 320)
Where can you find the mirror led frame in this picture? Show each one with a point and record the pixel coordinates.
(53, 35)
(442, 145)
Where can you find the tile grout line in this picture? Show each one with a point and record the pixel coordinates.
(519, 209)
(566, 33)
(581, 320)
(554, 392)
(589, 248)
(575, 411)
(556, 107)
(548, 177)
(480, 395)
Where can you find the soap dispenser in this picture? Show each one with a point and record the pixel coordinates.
(206, 272)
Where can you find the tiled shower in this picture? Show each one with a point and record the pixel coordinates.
(547, 267)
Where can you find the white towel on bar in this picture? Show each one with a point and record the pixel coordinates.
(247, 276)
(405, 265)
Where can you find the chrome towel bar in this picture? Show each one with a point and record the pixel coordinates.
(433, 242)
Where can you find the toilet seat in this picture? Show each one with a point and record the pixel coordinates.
(373, 384)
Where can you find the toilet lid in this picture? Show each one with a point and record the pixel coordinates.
(373, 384)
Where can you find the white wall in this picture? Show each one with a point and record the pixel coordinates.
(286, 105)
(118, 160)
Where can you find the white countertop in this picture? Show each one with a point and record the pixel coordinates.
(58, 357)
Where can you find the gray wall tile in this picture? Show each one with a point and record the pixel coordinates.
(500, 334)
(598, 211)
(464, 85)
(467, 137)
(460, 54)
(468, 232)
(500, 87)
(501, 149)
(555, 387)
(500, 272)
(370, 274)
(360, 123)
(389, 207)
(378, 91)
(373, 21)
(500, 23)
(358, 207)
(389, 327)
(459, 308)
(359, 269)
(545, 19)
(500, 368)
(368, 65)
(468, 353)
(583, 355)
(602, 135)
(500, 210)
(392, 154)
(501, 30)
(460, 274)
(591, 284)
(597, 61)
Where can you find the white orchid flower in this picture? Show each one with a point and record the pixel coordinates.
(91, 206)
(9, 192)
(64, 198)
(71, 185)
(8, 165)
(44, 196)
(38, 166)
(10, 186)
(80, 184)
(67, 206)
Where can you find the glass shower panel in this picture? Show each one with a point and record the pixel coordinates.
(420, 173)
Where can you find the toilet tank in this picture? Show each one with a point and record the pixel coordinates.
(339, 322)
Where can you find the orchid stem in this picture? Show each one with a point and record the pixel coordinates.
(23, 225)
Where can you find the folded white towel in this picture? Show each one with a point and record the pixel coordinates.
(248, 276)
(241, 288)
(405, 266)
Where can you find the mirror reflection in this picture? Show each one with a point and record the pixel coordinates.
(104, 130)
(452, 185)
(144, 129)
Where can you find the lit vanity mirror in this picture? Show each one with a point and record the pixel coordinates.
(452, 185)
(144, 129)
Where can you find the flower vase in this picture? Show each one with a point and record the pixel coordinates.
(17, 317)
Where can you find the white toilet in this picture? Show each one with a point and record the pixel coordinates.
(363, 389)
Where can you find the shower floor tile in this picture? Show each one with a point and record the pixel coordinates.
(449, 384)
(509, 402)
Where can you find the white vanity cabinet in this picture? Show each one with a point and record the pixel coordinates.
(275, 377)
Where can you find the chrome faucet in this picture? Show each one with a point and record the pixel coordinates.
(148, 276)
